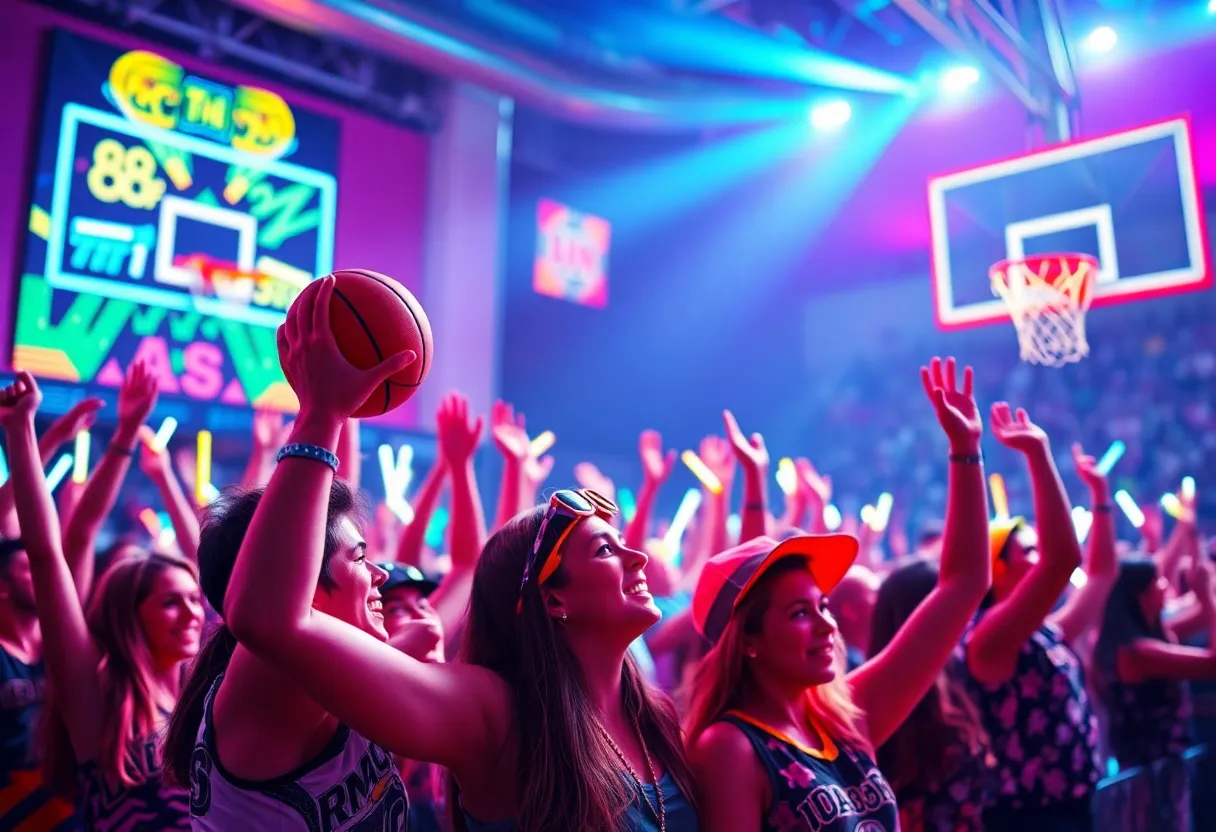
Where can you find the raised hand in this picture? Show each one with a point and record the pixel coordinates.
(151, 461)
(269, 429)
(457, 433)
(537, 470)
(19, 401)
(81, 417)
(1087, 468)
(750, 452)
(818, 487)
(1199, 579)
(719, 457)
(656, 465)
(1016, 430)
(588, 476)
(956, 409)
(137, 396)
(508, 429)
(328, 386)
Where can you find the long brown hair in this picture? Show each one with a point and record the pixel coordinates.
(567, 777)
(723, 679)
(128, 692)
(225, 523)
(944, 729)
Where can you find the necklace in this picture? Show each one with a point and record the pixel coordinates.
(660, 814)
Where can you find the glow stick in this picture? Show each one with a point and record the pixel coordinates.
(210, 492)
(734, 525)
(702, 472)
(787, 477)
(867, 515)
(435, 528)
(202, 467)
(1078, 578)
(882, 511)
(58, 471)
(163, 434)
(3, 467)
(832, 517)
(1188, 488)
(1172, 505)
(1111, 457)
(1000, 500)
(1082, 522)
(400, 507)
(627, 503)
(542, 443)
(80, 471)
(1130, 508)
(151, 522)
(405, 466)
(688, 507)
(167, 537)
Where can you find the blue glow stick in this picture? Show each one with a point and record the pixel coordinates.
(1113, 454)
(58, 471)
(629, 505)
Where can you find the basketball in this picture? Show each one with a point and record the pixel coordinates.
(373, 317)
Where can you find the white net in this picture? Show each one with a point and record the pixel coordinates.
(1048, 297)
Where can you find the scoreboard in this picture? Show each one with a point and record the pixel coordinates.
(173, 219)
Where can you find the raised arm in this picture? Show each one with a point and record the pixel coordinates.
(890, 685)
(458, 435)
(136, 398)
(1085, 606)
(158, 467)
(81, 417)
(350, 454)
(994, 645)
(409, 547)
(753, 459)
(656, 468)
(511, 439)
(68, 649)
(268, 436)
(380, 692)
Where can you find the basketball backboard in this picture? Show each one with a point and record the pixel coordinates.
(1130, 199)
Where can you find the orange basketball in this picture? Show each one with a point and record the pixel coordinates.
(373, 317)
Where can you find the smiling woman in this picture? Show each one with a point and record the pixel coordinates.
(546, 724)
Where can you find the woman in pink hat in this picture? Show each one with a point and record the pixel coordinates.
(779, 738)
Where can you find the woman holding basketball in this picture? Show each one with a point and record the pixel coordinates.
(547, 725)
(779, 738)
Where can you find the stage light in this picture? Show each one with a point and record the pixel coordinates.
(1211, 6)
(831, 115)
(1102, 39)
(958, 79)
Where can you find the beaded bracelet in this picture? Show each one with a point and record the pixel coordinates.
(967, 459)
(299, 449)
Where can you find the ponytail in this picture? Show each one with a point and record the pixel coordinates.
(210, 663)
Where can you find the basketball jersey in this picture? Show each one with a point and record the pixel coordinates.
(351, 786)
(25, 802)
(833, 790)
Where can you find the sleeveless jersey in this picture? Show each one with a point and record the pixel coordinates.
(25, 802)
(833, 790)
(351, 786)
(151, 804)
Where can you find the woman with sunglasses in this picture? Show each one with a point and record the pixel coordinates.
(780, 739)
(547, 724)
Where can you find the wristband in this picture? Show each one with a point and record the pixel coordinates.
(303, 451)
(1102, 508)
(967, 459)
(754, 507)
(121, 451)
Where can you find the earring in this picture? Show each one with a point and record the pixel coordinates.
(751, 654)
(565, 617)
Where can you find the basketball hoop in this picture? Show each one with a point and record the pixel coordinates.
(1048, 296)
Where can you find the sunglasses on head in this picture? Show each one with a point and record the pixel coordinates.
(567, 508)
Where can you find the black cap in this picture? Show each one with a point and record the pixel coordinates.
(402, 574)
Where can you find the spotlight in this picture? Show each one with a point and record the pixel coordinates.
(1102, 39)
(958, 79)
(831, 115)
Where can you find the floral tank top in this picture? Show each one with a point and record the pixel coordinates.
(1042, 728)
